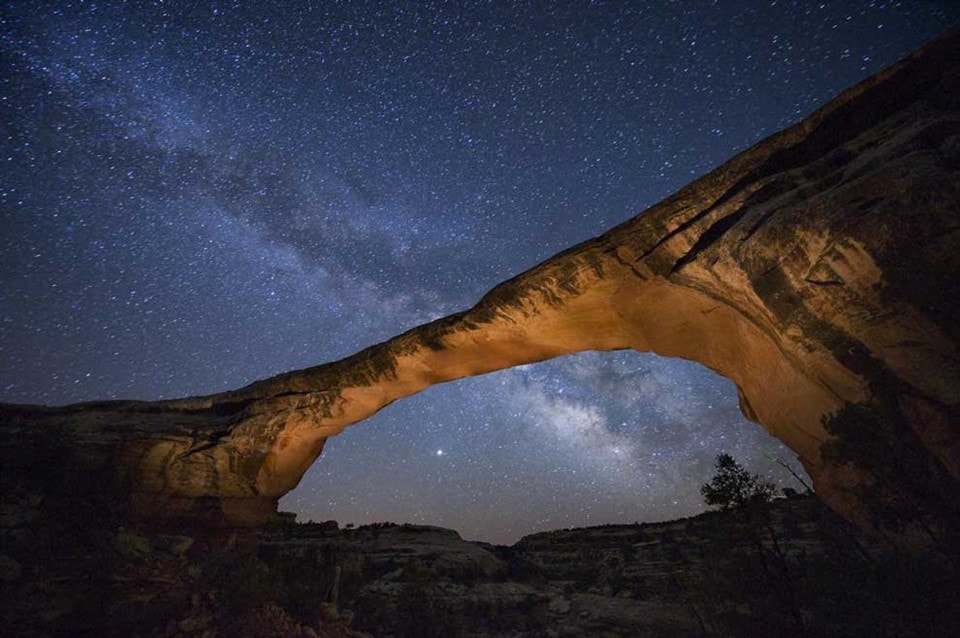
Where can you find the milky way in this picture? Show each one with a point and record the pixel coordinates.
(198, 195)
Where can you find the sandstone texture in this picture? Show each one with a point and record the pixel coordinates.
(817, 269)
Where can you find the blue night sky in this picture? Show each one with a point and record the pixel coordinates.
(197, 195)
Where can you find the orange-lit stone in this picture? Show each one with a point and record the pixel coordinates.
(819, 259)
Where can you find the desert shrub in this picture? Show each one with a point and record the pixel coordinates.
(239, 581)
(268, 620)
(733, 486)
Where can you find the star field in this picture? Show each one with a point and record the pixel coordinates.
(196, 195)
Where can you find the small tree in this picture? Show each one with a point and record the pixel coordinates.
(733, 486)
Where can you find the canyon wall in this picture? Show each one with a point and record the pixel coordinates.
(816, 270)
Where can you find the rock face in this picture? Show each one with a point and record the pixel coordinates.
(735, 573)
(788, 568)
(817, 269)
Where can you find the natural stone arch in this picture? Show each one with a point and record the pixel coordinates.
(628, 435)
(804, 269)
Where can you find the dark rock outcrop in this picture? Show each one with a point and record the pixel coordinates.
(787, 568)
(817, 269)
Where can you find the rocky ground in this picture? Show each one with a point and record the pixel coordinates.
(792, 568)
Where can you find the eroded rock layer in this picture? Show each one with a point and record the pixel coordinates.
(817, 269)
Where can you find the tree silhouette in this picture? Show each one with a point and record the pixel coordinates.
(733, 486)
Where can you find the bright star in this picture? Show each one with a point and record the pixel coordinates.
(439, 452)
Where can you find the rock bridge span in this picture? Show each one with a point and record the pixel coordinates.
(816, 269)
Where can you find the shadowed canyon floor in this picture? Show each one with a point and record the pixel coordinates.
(791, 569)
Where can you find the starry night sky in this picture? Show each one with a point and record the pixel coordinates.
(197, 195)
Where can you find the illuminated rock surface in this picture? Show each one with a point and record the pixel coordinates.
(818, 268)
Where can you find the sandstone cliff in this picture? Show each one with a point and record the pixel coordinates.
(817, 269)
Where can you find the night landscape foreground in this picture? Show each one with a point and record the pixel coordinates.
(817, 270)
